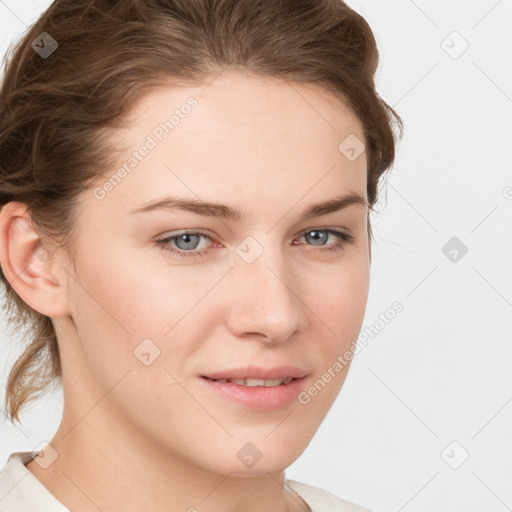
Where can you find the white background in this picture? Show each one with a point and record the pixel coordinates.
(440, 371)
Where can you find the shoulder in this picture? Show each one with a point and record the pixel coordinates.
(320, 500)
(20, 490)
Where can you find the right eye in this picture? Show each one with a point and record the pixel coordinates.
(187, 240)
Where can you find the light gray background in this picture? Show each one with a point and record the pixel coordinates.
(440, 371)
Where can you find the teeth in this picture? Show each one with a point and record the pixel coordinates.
(258, 382)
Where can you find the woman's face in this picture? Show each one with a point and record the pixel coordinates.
(266, 287)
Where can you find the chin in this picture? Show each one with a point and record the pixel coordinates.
(260, 462)
(260, 470)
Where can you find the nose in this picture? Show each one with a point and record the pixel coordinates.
(266, 299)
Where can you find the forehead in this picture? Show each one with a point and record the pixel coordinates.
(236, 99)
(238, 137)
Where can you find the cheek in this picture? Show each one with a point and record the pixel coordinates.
(121, 320)
(340, 310)
(148, 307)
(341, 300)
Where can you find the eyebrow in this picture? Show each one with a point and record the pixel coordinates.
(225, 212)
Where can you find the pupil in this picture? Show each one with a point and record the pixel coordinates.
(186, 238)
(316, 238)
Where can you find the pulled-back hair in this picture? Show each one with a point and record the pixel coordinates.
(58, 103)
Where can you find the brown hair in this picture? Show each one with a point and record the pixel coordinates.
(55, 109)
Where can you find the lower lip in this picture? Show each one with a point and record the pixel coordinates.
(258, 398)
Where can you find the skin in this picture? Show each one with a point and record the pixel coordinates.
(136, 437)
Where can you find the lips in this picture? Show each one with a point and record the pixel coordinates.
(257, 372)
(255, 398)
(257, 382)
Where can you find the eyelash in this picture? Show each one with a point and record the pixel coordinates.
(343, 239)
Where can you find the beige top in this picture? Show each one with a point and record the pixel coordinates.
(21, 491)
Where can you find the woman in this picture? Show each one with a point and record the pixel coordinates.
(185, 190)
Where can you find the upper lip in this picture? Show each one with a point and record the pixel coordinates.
(257, 372)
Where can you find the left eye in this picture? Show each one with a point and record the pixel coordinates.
(187, 241)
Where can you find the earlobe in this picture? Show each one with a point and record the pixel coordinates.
(26, 264)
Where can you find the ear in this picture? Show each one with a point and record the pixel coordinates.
(25, 262)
